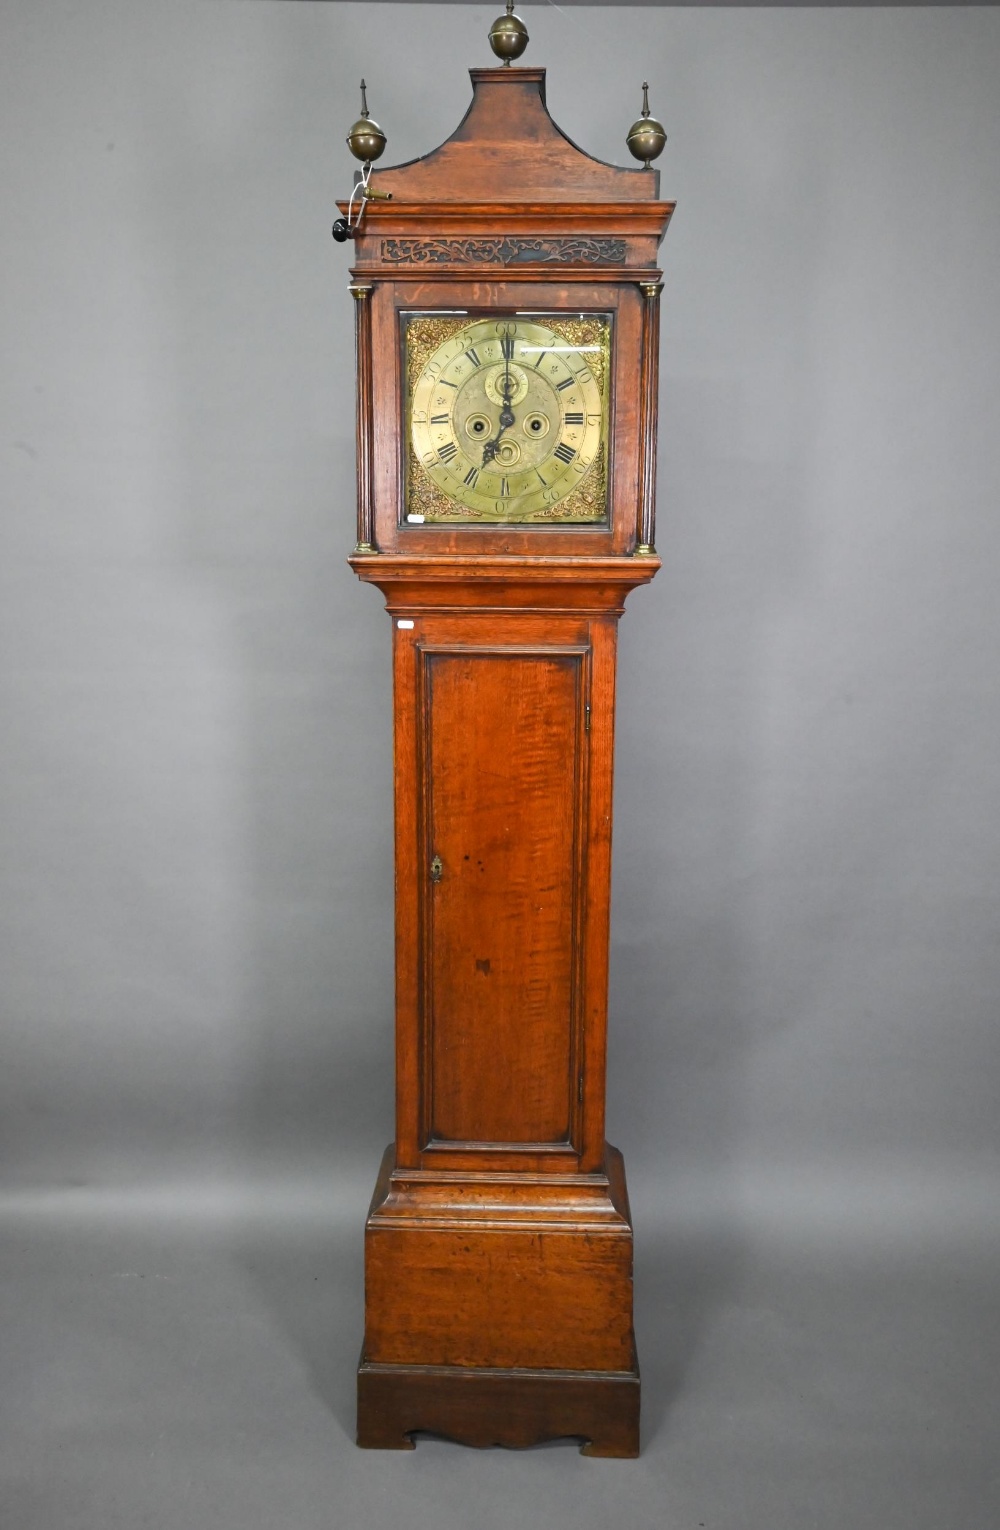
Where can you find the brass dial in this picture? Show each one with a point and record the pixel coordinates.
(508, 419)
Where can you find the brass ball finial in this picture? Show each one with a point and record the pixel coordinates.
(508, 36)
(366, 139)
(646, 136)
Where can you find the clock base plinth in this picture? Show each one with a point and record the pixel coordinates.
(498, 1309)
(513, 1408)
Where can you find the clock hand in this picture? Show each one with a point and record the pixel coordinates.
(506, 421)
(506, 413)
(506, 416)
(490, 449)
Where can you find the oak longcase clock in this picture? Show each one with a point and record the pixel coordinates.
(507, 339)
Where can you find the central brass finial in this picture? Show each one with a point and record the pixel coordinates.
(508, 36)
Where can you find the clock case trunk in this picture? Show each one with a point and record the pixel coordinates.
(498, 1245)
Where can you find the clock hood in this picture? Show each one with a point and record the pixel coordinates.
(508, 149)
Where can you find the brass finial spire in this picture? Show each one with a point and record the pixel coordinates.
(366, 139)
(508, 36)
(646, 136)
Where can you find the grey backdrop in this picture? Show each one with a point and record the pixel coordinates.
(195, 780)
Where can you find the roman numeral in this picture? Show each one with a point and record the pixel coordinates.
(564, 453)
(471, 476)
(504, 486)
(507, 347)
(566, 383)
(541, 357)
(446, 384)
(473, 356)
(442, 419)
(571, 419)
(449, 450)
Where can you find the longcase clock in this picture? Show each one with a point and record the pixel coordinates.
(506, 295)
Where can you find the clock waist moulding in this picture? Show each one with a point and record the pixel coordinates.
(498, 1246)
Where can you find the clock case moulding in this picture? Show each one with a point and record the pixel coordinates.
(498, 1246)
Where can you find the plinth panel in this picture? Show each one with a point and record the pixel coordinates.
(499, 1296)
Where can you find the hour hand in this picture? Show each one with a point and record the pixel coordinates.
(506, 421)
(490, 449)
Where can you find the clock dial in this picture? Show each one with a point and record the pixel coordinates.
(507, 418)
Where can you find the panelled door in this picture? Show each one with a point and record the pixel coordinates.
(504, 738)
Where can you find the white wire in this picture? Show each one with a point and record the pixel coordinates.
(362, 187)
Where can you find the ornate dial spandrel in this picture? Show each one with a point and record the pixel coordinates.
(507, 418)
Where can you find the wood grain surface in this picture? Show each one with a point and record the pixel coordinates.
(508, 146)
(504, 729)
(498, 1246)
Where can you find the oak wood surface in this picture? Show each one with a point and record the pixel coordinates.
(361, 292)
(391, 300)
(508, 146)
(514, 1408)
(498, 1246)
(500, 1272)
(574, 997)
(504, 761)
(572, 241)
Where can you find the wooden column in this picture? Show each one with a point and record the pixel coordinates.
(649, 389)
(361, 294)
